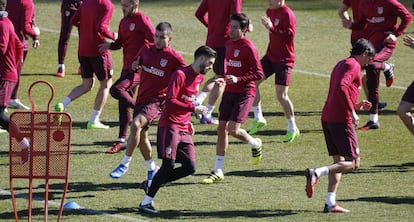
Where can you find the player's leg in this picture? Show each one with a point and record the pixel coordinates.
(134, 139)
(404, 112)
(258, 121)
(287, 106)
(14, 102)
(65, 30)
(103, 69)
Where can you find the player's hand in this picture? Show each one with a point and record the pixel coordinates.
(347, 23)
(355, 118)
(267, 23)
(135, 66)
(104, 46)
(364, 105)
(390, 38)
(36, 43)
(409, 41)
(191, 129)
(219, 81)
(36, 30)
(116, 35)
(202, 110)
(230, 79)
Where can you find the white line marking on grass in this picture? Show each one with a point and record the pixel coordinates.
(83, 209)
(190, 53)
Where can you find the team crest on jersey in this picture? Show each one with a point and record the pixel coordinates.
(380, 10)
(236, 53)
(163, 62)
(131, 27)
(276, 22)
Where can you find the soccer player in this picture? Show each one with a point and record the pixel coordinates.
(379, 19)
(92, 19)
(339, 120)
(22, 14)
(215, 15)
(135, 29)
(280, 21)
(407, 100)
(242, 70)
(357, 34)
(11, 56)
(174, 136)
(67, 10)
(157, 63)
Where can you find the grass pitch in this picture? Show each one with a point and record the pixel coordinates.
(381, 190)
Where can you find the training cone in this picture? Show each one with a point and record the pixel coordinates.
(71, 205)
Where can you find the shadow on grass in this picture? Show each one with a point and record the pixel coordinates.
(191, 215)
(402, 168)
(387, 200)
(267, 173)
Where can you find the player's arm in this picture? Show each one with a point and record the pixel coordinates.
(201, 13)
(148, 29)
(28, 16)
(405, 18)
(75, 20)
(4, 40)
(285, 30)
(256, 72)
(172, 101)
(117, 44)
(343, 14)
(102, 25)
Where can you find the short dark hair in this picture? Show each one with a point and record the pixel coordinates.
(362, 45)
(242, 18)
(164, 26)
(206, 51)
(3, 4)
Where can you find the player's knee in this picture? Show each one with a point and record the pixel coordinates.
(402, 112)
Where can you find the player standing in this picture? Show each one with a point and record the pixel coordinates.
(174, 136)
(338, 123)
(135, 29)
(67, 10)
(242, 70)
(11, 56)
(215, 15)
(280, 21)
(92, 19)
(379, 19)
(157, 63)
(22, 15)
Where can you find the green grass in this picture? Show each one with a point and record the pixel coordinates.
(381, 190)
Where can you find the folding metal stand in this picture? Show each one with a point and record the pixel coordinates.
(49, 135)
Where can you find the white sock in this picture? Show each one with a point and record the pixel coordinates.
(150, 164)
(330, 199)
(121, 140)
(322, 171)
(373, 117)
(387, 67)
(218, 165)
(126, 160)
(201, 97)
(66, 101)
(95, 116)
(61, 66)
(254, 142)
(210, 109)
(147, 200)
(24, 143)
(291, 124)
(257, 111)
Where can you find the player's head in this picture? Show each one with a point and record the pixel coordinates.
(163, 35)
(129, 7)
(204, 58)
(275, 4)
(363, 50)
(3, 4)
(239, 25)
